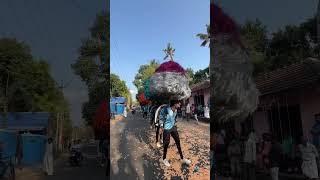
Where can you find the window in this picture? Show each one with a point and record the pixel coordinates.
(285, 120)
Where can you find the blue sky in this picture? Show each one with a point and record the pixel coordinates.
(140, 29)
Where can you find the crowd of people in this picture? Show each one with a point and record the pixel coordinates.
(242, 156)
(187, 111)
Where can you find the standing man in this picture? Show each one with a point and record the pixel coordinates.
(309, 156)
(207, 112)
(125, 111)
(19, 150)
(48, 158)
(195, 112)
(188, 111)
(315, 131)
(275, 156)
(170, 129)
(234, 153)
(250, 157)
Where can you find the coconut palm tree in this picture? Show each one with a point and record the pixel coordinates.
(169, 51)
(205, 37)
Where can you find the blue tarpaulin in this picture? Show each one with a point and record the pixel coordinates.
(9, 140)
(33, 145)
(26, 120)
(117, 105)
(120, 108)
(33, 149)
(113, 108)
(120, 100)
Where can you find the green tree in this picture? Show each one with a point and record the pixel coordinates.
(205, 37)
(118, 87)
(27, 85)
(254, 34)
(293, 44)
(190, 74)
(200, 75)
(169, 51)
(144, 73)
(30, 86)
(96, 94)
(93, 48)
(92, 65)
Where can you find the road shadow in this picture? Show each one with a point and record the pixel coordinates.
(126, 169)
(152, 168)
(138, 127)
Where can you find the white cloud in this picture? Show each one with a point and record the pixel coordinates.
(133, 91)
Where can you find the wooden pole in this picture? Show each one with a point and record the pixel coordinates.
(318, 22)
(57, 131)
(60, 131)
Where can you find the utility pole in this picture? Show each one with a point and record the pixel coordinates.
(57, 130)
(318, 22)
(60, 124)
(61, 131)
(5, 102)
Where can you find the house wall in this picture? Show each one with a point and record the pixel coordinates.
(191, 100)
(204, 92)
(260, 118)
(260, 123)
(310, 105)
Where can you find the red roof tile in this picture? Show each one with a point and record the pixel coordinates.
(201, 85)
(293, 76)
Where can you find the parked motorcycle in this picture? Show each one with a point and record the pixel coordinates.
(75, 158)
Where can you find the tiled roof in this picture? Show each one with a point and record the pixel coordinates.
(201, 85)
(293, 76)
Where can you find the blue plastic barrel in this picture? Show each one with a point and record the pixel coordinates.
(9, 140)
(33, 149)
(120, 108)
(113, 108)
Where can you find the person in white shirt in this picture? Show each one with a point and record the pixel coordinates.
(48, 158)
(250, 157)
(125, 114)
(309, 155)
(207, 112)
(188, 111)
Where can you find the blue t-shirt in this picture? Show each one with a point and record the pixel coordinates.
(170, 118)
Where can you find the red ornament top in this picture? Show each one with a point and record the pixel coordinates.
(170, 66)
(223, 24)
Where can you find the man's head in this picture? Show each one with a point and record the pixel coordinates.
(175, 104)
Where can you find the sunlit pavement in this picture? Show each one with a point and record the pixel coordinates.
(134, 154)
